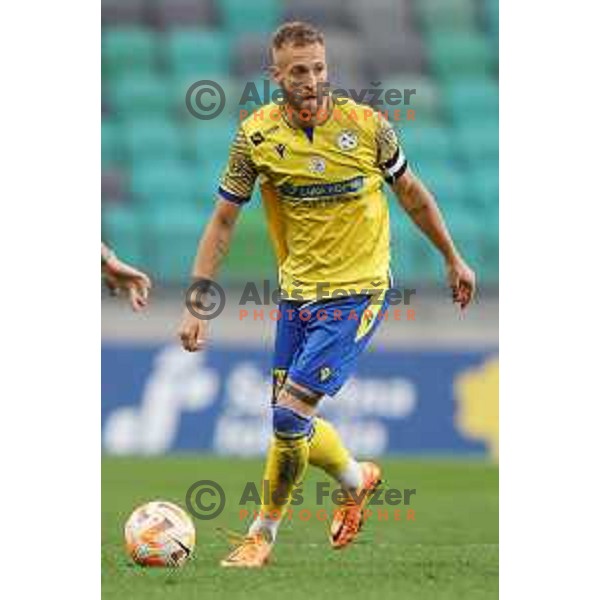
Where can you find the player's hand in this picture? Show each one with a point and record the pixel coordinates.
(461, 280)
(120, 276)
(193, 332)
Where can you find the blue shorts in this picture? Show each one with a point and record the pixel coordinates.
(318, 343)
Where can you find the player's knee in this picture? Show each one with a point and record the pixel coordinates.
(287, 423)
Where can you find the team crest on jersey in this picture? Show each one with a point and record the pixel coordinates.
(347, 140)
(316, 164)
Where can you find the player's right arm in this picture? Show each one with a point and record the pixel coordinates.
(234, 191)
(212, 248)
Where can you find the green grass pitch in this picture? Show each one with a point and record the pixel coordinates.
(449, 551)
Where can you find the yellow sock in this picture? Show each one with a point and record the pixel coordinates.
(326, 449)
(286, 464)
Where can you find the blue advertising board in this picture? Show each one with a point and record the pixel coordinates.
(158, 399)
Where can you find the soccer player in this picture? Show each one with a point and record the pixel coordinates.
(321, 172)
(120, 276)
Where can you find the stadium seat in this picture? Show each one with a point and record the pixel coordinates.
(427, 142)
(128, 50)
(447, 181)
(167, 14)
(381, 17)
(153, 138)
(250, 55)
(134, 96)
(460, 54)
(413, 260)
(489, 251)
(425, 101)
(437, 16)
(121, 229)
(120, 12)
(403, 52)
(181, 86)
(164, 183)
(492, 17)
(477, 142)
(112, 184)
(260, 16)
(173, 233)
(484, 187)
(208, 173)
(196, 52)
(333, 14)
(346, 58)
(112, 151)
(213, 140)
(472, 99)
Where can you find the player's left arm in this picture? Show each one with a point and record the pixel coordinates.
(424, 211)
(422, 208)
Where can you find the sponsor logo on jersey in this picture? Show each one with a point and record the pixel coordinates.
(320, 190)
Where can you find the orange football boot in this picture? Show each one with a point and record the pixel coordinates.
(348, 519)
(252, 552)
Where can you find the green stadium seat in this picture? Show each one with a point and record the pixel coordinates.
(122, 230)
(489, 252)
(427, 142)
(140, 95)
(258, 16)
(446, 181)
(112, 151)
(161, 183)
(477, 142)
(181, 86)
(446, 15)
(213, 140)
(457, 54)
(425, 101)
(174, 232)
(484, 187)
(153, 138)
(471, 99)
(128, 50)
(413, 259)
(492, 17)
(209, 171)
(196, 52)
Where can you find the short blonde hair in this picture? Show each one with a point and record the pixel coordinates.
(296, 33)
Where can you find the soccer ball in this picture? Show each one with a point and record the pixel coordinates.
(159, 534)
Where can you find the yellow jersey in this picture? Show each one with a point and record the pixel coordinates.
(322, 193)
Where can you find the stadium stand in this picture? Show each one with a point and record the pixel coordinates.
(160, 165)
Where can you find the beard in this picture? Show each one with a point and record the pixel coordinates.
(300, 100)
